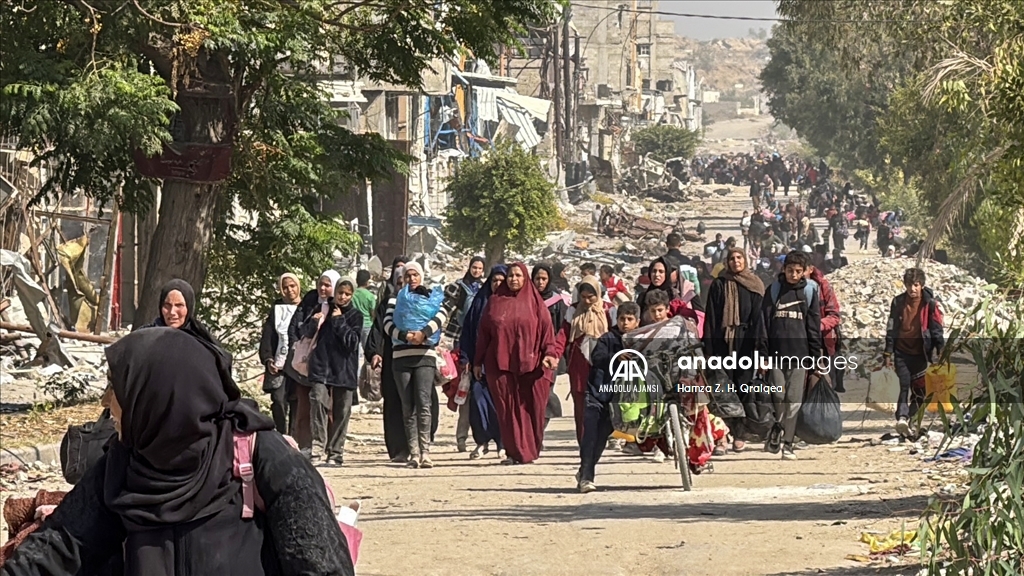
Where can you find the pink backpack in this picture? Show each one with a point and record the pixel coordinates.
(245, 445)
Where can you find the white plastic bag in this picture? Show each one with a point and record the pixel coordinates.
(883, 391)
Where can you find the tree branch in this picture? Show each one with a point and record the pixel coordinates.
(154, 18)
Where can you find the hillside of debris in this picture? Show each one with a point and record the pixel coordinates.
(725, 63)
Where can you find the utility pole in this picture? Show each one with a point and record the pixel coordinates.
(569, 136)
(634, 67)
(557, 125)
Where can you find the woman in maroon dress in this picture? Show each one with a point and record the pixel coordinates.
(515, 347)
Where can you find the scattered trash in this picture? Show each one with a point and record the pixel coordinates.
(896, 542)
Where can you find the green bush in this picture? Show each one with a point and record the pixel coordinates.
(665, 142)
(983, 534)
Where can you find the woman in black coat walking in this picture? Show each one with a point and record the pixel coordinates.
(732, 321)
(169, 504)
(332, 373)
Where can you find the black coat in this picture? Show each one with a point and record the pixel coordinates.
(335, 358)
(83, 535)
(309, 305)
(791, 326)
(600, 379)
(745, 339)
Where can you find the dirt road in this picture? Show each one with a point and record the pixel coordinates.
(755, 514)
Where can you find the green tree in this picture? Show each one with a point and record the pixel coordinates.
(500, 202)
(665, 142)
(86, 84)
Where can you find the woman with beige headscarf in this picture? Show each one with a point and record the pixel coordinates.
(732, 321)
(585, 322)
(274, 345)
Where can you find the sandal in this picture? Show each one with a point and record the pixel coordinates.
(477, 453)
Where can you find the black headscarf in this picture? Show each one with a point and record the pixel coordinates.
(174, 461)
(193, 326)
(557, 279)
(664, 287)
(390, 288)
(548, 290)
(559, 308)
(468, 279)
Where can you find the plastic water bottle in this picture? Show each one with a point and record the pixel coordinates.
(463, 390)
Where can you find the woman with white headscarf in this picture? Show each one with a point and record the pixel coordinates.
(274, 346)
(414, 320)
(317, 301)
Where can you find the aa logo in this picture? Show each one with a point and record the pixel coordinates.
(628, 369)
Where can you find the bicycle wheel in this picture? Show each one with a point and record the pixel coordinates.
(680, 446)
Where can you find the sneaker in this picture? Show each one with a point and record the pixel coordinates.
(586, 487)
(578, 476)
(787, 451)
(477, 453)
(501, 454)
(659, 456)
(461, 444)
(316, 458)
(401, 458)
(336, 461)
(414, 461)
(426, 462)
(801, 445)
(632, 449)
(903, 427)
(613, 444)
(774, 442)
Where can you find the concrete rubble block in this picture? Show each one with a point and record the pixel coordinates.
(866, 288)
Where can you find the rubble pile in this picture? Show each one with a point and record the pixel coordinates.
(866, 288)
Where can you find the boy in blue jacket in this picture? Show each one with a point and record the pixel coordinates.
(597, 414)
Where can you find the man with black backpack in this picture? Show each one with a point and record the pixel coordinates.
(792, 340)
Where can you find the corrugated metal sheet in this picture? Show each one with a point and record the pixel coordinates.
(526, 135)
(486, 103)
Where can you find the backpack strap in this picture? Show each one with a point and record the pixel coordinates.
(245, 444)
(776, 290)
(810, 288)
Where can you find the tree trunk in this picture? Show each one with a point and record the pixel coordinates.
(189, 210)
(495, 253)
(182, 239)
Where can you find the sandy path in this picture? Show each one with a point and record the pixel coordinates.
(753, 515)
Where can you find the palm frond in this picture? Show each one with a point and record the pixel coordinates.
(960, 66)
(952, 207)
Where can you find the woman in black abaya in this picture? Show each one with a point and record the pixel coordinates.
(164, 496)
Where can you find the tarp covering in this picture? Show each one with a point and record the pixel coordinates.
(517, 116)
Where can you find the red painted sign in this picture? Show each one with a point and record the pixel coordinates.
(188, 162)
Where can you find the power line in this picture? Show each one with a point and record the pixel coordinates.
(623, 8)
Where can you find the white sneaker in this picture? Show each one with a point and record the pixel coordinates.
(613, 444)
(787, 452)
(587, 487)
(659, 456)
(903, 427)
